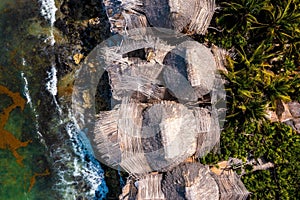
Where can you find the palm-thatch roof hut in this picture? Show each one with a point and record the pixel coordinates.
(191, 181)
(192, 16)
(145, 137)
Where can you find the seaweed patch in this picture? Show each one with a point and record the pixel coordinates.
(7, 139)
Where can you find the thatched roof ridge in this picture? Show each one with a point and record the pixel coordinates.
(231, 187)
(149, 187)
(105, 138)
(203, 14)
(129, 136)
(208, 130)
(129, 78)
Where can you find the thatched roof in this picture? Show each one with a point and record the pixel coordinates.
(156, 126)
(129, 191)
(122, 17)
(192, 16)
(164, 128)
(105, 139)
(187, 181)
(231, 187)
(179, 70)
(208, 130)
(133, 159)
(190, 181)
(165, 121)
(220, 57)
(149, 187)
(129, 77)
(146, 137)
(146, 187)
(230, 184)
(196, 68)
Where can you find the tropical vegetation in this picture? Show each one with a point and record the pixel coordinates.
(263, 39)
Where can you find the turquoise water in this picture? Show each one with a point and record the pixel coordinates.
(54, 164)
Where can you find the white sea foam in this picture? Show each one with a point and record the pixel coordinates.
(48, 10)
(51, 85)
(73, 170)
(51, 38)
(89, 170)
(26, 90)
(29, 101)
(24, 63)
(73, 166)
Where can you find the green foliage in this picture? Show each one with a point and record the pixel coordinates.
(264, 36)
(282, 147)
(275, 142)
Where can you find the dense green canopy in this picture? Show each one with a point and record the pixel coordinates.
(264, 39)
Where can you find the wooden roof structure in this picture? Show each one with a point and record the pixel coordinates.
(157, 119)
(191, 16)
(191, 181)
(231, 187)
(146, 137)
(187, 181)
(149, 187)
(155, 125)
(208, 130)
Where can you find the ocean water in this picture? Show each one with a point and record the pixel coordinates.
(43, 154)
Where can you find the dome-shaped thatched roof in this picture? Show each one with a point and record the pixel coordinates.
(187, 181)
(146, 137)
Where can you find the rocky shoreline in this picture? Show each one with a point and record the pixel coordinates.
(82, 26)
